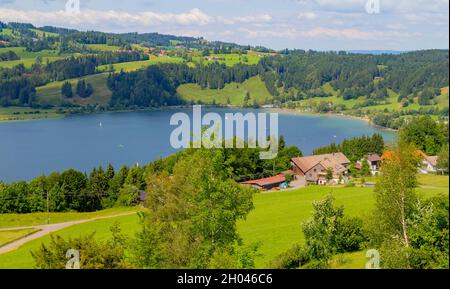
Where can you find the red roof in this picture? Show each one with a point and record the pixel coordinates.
(267, 181)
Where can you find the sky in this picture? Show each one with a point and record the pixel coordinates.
(401, 25)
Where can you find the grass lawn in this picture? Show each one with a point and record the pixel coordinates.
(29, 58)
(41, 33)
(234, 91)
(51, 92)
(102, 47)
(7, 237)
(22, 259)
(6, 31)
(34, 219)
(25, 113)
(229, 59)
(135, 65)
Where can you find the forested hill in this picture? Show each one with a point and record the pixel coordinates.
(70, 70)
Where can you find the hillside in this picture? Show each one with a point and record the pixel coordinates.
(386, 88)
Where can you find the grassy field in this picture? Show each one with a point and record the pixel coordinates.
(235, 92)
(21, 258)
(34, 219)
(25, 113)
(51, 93)
(41, 33)
(7, 237)
(6, 31)
(29, 58)
(102, 47)
(135, 65)
(229, 59)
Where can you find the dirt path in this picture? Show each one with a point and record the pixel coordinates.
(47, 229)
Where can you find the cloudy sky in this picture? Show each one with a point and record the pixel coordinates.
(306, 24)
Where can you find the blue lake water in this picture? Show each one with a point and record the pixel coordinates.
(32, 148)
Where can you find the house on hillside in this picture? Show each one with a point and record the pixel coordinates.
(314, 169)
(267, 183)
(374, 161)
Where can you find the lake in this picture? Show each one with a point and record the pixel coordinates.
(32, 148)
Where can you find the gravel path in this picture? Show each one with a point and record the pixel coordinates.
(47, 229)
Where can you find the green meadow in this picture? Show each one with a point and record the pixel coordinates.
(234, 92)
(229, 59)
(36, 219)
(22, 259)
(102, 47)
(136, 65)
(7, 237)
(275, 223)
(42, 34)
(29, 58)
(51, 92)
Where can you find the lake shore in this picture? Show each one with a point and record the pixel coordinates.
(360, 118)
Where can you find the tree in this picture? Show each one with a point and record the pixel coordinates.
(92, 253)
(66, 89)
(81, 88)
(365, 168)
(329, 175)
(425, 134)
(442, 161)
(394, 192)
(197, 207)
(329, 232)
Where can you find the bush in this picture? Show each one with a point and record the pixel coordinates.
(293, 258)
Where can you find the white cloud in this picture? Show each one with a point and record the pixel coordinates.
(307, 16)
(194, 17)
(323, 32)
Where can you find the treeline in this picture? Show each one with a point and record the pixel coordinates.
(73, 190)
(355, 148)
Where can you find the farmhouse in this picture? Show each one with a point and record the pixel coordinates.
(267, 183)
(314, 168)
(374, 161)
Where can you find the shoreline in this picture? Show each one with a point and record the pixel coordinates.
(360, 118)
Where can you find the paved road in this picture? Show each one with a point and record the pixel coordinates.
(47, 229)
